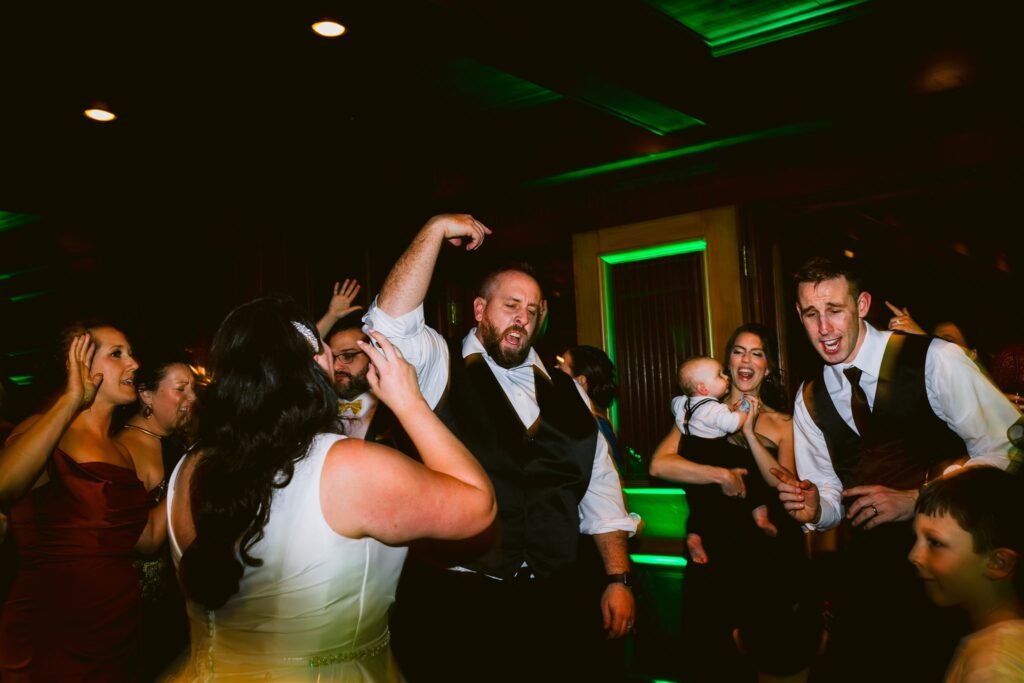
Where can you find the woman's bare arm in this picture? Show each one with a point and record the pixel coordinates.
(668, 464)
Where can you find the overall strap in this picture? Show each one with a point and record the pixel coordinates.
(690, 410)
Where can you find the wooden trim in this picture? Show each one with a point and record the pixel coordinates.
(718, 227)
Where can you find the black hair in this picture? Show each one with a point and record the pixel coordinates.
(772, 392)
(352, 321)
(985, 501)
(821, 268)
(594, 364)
(267, 401)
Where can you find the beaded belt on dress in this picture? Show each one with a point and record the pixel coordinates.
(366, 652)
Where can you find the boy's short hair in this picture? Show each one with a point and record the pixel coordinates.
(985, 501)
(687, 382)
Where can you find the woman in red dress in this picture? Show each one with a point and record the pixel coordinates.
(77, 515)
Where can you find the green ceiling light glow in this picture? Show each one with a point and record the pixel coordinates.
(26, 352)
(659, 560)
(16, 273)
(743, 24)
(22, 380)
(723, 143)
(633, 108)
(31, 295)
(488, 88)
(10, 220)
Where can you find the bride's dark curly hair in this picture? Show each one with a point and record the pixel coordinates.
(267, 401)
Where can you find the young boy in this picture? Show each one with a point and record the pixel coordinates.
(970, 537)
(700, 413)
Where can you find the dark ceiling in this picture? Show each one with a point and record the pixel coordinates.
(251, 154)
(240, 110)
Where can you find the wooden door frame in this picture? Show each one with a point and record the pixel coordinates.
(723, 286)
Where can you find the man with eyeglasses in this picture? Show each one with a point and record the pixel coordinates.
(359, 412)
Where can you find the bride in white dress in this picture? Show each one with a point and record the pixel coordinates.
(288, 537)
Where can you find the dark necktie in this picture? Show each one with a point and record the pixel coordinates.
(858, 400)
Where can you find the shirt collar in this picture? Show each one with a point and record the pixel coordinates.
(471, 344)
(368, 402)
(869, 356)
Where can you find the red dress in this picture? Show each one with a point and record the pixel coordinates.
(72, 613)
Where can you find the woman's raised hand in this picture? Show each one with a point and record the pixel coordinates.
(391, 377)
(82, 384)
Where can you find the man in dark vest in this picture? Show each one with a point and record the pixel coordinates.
(889, 412)
(505, 607)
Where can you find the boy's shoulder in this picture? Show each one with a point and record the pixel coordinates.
(995, 653)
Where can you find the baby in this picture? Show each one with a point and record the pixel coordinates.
(700, 413)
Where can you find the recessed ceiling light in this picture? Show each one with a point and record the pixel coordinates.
(328, 28)
(100, 114)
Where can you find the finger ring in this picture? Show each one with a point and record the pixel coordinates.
(875, 509)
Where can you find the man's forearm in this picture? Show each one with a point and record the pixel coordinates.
(614, 551)
(406, 285)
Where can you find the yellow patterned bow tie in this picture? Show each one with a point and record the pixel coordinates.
(355, 406)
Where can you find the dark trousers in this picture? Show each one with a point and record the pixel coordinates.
(455, 627)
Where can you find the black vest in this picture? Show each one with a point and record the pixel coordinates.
(539, 473)
(905, 444)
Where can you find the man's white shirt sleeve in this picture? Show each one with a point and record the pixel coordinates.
(814, 463)
(966, 400)
(421, 346)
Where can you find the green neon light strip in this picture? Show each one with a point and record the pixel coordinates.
(10, 220)
(658, 251)
(659, 560)
(608, 292)
(16, 273)
(26, 352)
(22, 380)
(31, 295)
(654, 492)
(609, 332)
(677, 153)
(786, 26)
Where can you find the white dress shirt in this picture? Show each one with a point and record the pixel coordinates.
(712, 420)
(602, 509)
(958, 393)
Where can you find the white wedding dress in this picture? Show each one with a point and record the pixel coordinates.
(317, 610)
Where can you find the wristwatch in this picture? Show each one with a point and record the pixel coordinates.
(625, 578)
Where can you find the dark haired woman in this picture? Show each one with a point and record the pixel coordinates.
(288, 537)
(77, 514)
(153, 436)
(594, 371)
(743, 568)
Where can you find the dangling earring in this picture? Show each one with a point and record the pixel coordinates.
(147, 410)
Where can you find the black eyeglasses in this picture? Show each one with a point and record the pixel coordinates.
(347, 357)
